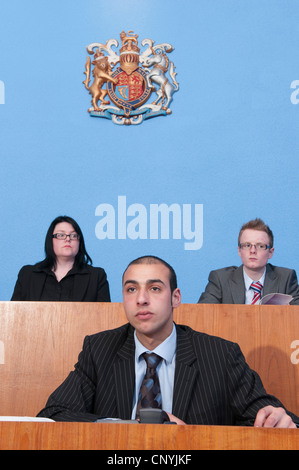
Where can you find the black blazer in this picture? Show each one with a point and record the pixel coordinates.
(90, 284)
(226, 285)
(213, 384)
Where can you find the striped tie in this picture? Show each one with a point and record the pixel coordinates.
(257, 288)
(150, 394)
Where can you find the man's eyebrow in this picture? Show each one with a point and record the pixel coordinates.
(149, 281)
(130, 281)
(155, 281)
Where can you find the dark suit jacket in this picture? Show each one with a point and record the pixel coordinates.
(226, 285)
(90, 284)
(212, 385)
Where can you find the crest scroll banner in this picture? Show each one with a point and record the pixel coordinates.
(124, 81)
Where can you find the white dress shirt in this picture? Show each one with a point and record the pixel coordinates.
(165, 370)
(248, 281)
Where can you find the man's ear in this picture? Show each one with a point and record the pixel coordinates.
(176, 298)
(271, 252)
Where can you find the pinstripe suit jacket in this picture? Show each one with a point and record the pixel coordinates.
(212, 385)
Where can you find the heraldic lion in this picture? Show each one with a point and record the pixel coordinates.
(102, 74)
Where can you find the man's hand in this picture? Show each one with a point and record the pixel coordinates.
(174, 419)
(271, 417)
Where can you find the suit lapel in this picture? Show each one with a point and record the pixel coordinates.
(237, 286)
(124, 375)
(185, 375)
(271, 281)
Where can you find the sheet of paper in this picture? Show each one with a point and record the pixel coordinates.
(25, 418)
(276, 299)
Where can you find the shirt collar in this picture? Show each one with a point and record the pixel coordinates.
(248, 281)
(73, 270)
(166, 349)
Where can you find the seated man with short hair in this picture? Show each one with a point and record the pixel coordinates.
(255, 278)
(152, 362)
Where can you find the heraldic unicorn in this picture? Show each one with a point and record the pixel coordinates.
(130, 85)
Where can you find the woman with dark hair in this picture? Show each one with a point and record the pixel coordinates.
(66, 273)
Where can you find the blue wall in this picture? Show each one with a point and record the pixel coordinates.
(230, 146)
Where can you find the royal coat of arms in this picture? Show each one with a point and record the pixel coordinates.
(123, 83)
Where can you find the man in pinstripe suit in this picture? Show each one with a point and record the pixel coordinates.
(203, 379)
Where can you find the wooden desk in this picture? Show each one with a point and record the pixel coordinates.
(40, 343)
(95, 436)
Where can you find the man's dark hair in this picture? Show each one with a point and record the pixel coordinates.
(150, 259)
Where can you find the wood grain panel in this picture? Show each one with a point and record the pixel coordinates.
(40, 343)
(98, 436)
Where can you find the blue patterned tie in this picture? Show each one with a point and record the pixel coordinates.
(257, 288)
(150, 393)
